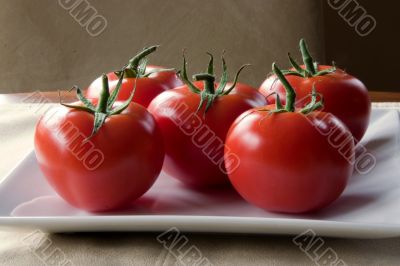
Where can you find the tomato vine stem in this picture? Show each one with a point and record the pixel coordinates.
(134, 61)
(136, 67)
(105, 106)
(311, 67)
(291, 96)
(104, 95)
(290, 93)
(210, 92)
(208, 79)
(307, 59)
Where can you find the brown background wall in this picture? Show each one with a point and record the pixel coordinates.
(374, 58)
(43, 48)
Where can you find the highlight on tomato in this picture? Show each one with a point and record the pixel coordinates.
(99, 155)
(292, 160)
(149, 80)
(194, 120)
(345, 96)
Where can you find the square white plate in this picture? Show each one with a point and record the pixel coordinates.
(369, 207)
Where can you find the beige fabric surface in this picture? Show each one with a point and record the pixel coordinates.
(16, 130)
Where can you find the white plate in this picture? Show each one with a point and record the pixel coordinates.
(369, 207)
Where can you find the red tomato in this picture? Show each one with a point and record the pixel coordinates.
(168, 78)
(194, 140)
(146, 88)
(344, 95)
(288, 159)
(148, 85)
(118, 164)
(286, 164)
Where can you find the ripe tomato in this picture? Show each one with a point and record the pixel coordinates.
(194, 120)
(150, 80)
(290, 159)
(99, 158)
(345, 96)
(168, 78)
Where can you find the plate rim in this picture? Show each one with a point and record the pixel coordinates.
(186, 223)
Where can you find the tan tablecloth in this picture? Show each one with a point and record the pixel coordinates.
(16, 130)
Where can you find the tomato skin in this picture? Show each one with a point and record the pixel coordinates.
(286, 164)
(345, 96)
(147, 88)
(168, 78)
(183, 159)
(132, 149)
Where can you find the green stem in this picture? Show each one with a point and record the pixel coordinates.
(105, 107)
(134, 62)
(290, 93)
(295, 65)
(104, 95)
(210, 92)
(278, 103)
(184, 77)
(208, 81)
(235, 79)
(210, 68)
(311, 67)
(314, 104)
(307, 59)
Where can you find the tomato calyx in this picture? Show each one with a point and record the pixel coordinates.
(311, 66)
(211, 91)
(313, 105)
(136, 67)
(105, 107)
